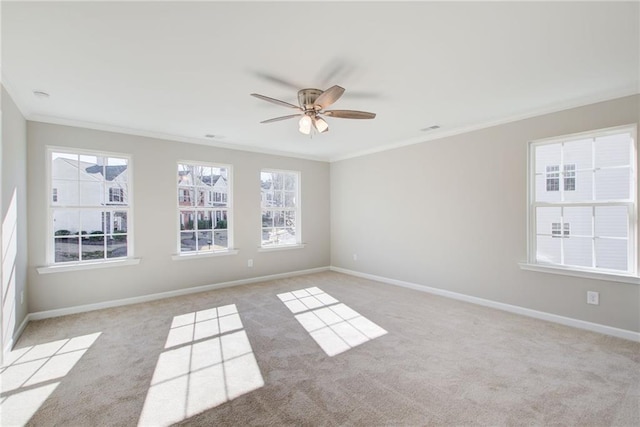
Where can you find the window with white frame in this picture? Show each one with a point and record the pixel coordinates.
(116, 195)
(583, 206)
(280, 191)
(558, 231)
(553, 178)
(568, 177)
(204, 208)
(84, 223)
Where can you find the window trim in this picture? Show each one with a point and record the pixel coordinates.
(630, 276)
(230, 249)
(51, 266)
(299, 243)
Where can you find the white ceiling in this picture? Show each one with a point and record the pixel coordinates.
(182, 70)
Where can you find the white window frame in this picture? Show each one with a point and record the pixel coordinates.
(553, 177)
(633, 258)
(297, 210)
(53, 266)
(557, 230)
(179, 255)
(116, 193)
(569, 172)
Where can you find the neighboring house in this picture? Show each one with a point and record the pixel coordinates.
(267, 193)
(88, 184)
(208, 191)
(278, 208)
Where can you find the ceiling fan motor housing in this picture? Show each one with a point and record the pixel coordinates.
(307, 98)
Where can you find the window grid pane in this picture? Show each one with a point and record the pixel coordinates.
(89, 207)
(588, 223)
(203, 189)
(279, 200)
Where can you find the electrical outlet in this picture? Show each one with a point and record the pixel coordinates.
(355, 257)
(593, 297)
(250, 263)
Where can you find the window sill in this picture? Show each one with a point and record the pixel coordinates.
(87, 265)
(587, 274)
(280, 248)
(186, 256)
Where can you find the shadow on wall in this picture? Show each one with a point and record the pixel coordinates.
(9, 254)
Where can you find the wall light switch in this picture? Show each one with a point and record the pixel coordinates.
(593, 297)
(250, 263)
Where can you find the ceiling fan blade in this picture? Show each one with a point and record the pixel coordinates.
(275, 101)
(329, 96)
(349, 114)
(278, 80)
(277, 119)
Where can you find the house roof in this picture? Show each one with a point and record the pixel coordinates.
(207, 179)
(110, 172)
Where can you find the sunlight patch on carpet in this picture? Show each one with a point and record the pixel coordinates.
(333, 325)
(32, 373)
(207, 361)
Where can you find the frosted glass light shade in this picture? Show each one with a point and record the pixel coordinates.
(305, 125)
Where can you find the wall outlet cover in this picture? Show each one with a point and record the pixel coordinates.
(593, 297)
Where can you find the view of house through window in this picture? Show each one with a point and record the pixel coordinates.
(280, 208)
(583, 205)
(204, 207)
(89, 206)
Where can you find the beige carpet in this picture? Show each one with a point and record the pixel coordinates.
(440, 362)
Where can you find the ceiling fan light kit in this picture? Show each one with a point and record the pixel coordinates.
(305, 125)
(312, 105)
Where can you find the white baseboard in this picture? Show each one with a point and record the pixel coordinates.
(16, 334)
(152, 297)
(568, 321)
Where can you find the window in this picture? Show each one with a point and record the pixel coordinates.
(204, 210)
(116, 195)
(553, 177)
(556, 230)
(84, 224)
(280, 208)
(569, 178)
(583, 201)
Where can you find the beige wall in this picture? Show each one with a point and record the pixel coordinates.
(13, 210)
(451, 214)
(155, 220)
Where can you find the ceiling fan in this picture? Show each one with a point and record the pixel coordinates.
(312, 105)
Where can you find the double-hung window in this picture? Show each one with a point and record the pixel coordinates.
(204, 208)
(89, 210)
(280, 191)
(582, 202)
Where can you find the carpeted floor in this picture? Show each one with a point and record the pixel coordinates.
(440, 362)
